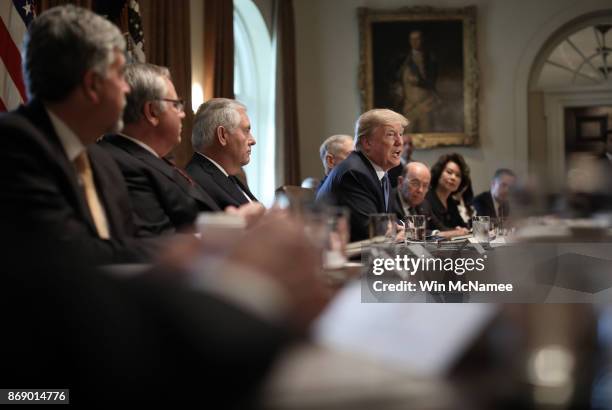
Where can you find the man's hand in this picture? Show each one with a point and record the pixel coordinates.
(278, 249)
(251, 212)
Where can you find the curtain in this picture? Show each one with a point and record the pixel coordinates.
(47, 4)
(167, 42)
(288, 142)
(218, 49)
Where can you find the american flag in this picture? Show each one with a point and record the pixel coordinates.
(136, 34)
(126, 15)
(15, 17)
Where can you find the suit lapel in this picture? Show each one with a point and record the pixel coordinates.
(223, 181)
(162, 166)
(37, 114)
(245, 189)
(142, 154)
(375, 180)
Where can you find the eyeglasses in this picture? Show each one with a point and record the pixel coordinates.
(416, 184)
(179, 105)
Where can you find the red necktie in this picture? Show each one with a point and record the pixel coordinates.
(180, 171)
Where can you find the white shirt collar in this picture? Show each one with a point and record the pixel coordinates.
(70, 141)
(214, 163)
(140, 143)
(380, 173)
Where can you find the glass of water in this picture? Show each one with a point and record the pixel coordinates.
(480, 228)
(415, 227)
(382, 227)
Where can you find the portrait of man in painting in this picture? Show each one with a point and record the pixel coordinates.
(421, 75)
(421, 62)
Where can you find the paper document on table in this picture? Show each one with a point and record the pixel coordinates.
(425, 339)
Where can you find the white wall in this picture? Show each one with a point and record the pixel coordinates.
(327, 40)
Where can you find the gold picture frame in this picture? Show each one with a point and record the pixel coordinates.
(421, 62)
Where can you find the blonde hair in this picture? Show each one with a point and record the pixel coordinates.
(369, 120)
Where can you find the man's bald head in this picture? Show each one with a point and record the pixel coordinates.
(414, 183)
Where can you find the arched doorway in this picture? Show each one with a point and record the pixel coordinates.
(569, 95)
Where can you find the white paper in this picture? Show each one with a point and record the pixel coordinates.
(425, 339)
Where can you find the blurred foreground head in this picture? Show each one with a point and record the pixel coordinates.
(73, 54)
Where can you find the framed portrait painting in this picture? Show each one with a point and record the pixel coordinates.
(421, 62)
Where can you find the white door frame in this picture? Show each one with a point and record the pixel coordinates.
(555, 103)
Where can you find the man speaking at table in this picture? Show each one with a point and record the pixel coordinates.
(360, 182)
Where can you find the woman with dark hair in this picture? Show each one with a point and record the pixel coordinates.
(449, 175)
(464, 199)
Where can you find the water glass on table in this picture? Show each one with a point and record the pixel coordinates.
(382, 227)
(415, 227)
(480, 228)
(498, 227)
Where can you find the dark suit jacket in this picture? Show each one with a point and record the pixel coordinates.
(448, 218)
(163, 201)
(134, 339)
(40, 194)
(484, 205)
(216, 184)
(423, 209)
(355, 185)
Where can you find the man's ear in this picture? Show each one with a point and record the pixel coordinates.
(400, 179)
(222, 136)
(329, 160)
(366, 144)
(91, 86)
(150, 113)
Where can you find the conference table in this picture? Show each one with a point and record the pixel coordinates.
(368, 353)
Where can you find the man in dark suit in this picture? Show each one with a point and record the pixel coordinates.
(54, 183)
(360, 182)
(222, 142)
(409, 196)
(129, 339)
(333, 151)
(495, 203)
(164, 198)
(165, 336)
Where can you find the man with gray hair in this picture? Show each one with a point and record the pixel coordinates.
(164, 198)
(64, 207)
(55, 182)
(222, 142)
(333, 151)
(360, 182)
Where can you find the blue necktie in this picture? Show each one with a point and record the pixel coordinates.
(385, 187)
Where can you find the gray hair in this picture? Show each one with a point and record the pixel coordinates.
(61, 45)
(370, 120)
(332, 145)
(146, 83)
(214, 113)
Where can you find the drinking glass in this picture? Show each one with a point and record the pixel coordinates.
(383, 228)
(480, 228)
(415, 227)
(498, 225)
